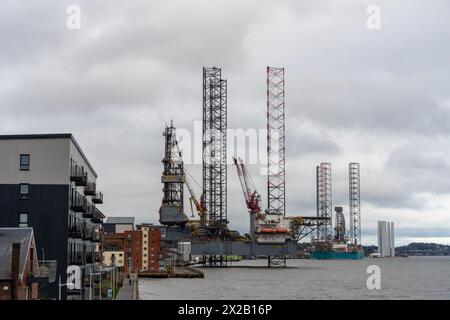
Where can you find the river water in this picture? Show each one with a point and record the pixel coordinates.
(401, 278)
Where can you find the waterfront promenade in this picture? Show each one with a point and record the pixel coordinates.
(129, 290)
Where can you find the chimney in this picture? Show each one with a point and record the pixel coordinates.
(15, 262)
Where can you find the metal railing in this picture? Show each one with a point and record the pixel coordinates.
(77, 201)
(78, 174)
(90, 189)
(47, 269)
(98, 197)
(90, 211)
(75, 232)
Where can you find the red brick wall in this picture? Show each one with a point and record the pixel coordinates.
(154, 239)
(5, 294)
(120, 242)
(136, 249)
(30, 267)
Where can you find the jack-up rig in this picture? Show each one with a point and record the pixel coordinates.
(271, 234)
(343, 245)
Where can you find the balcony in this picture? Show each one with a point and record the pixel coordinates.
(88, 235)
(78, 175)
(89, 212)
(97, 237)
(47, 269)
(97, 198)
(77, 260)
(98, 217)
(78, 203)
(89, 190)
(75, 232)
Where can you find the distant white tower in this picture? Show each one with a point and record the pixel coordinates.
(386, 240)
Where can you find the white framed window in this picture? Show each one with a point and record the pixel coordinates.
(23, 220)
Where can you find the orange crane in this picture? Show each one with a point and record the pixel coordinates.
(199, 205)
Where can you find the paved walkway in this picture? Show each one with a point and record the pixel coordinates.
(126, 292)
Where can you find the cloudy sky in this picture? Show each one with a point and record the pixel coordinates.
(378, 97)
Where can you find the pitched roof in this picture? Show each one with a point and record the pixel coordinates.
(120, 220)
(8, 236)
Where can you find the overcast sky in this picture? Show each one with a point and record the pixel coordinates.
(378, 97)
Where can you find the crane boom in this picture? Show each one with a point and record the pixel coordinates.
(199, 205)
(251, 196)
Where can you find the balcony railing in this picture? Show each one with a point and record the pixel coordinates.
(97, 198)
(89, 212)
(47, 269)
(78, 175)
(78, 202)
(75, 232)
(88, 235)
(90, 188)
(77, 259)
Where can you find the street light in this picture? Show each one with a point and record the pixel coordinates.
(90, 284)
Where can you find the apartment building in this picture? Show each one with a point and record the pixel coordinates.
(154, 249)
(123, 250)
(118, 224)
(130, 249)
(47, 183)
(386, 239)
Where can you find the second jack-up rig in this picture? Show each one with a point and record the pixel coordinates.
(272, 234)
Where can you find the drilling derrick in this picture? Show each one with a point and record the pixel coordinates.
(172, 210)
(339, 235)
(275, 141)
(214, 149)
(325, 200)
(355, 203)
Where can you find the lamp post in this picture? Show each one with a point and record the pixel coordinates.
(90, 284)
(60, 285)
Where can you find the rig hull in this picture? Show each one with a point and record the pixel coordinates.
(336, 255)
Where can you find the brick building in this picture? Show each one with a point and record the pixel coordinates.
(18, 264)
(134, 250)
(153, 249)
(123, 250)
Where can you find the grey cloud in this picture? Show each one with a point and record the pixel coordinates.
(134, 66)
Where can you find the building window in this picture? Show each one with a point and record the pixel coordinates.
(24, 162)
(24, 190)
(23, 220)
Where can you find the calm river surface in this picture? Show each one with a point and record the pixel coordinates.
(401, 278)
